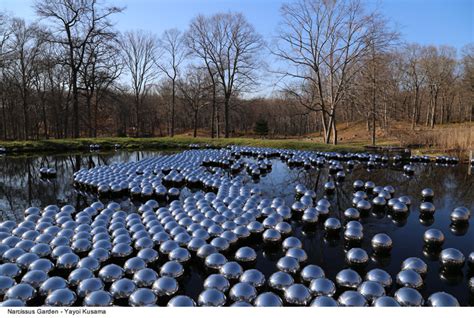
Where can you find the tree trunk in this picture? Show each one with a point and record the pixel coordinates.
(173, 101)
(226, 116)
(195, 122)
(213, 119)
(137, 114)
(334, 130)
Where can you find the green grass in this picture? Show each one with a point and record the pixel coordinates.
(164, 143)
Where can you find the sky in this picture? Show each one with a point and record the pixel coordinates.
(430, 22)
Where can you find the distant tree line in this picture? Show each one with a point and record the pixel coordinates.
(71, 74)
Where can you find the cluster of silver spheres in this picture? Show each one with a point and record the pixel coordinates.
(113, 254)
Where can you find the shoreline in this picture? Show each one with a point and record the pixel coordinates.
(183, 142)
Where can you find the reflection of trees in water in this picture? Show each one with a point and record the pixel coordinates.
(452, 185)
(21, 185)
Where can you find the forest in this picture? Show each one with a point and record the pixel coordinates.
(72, 74)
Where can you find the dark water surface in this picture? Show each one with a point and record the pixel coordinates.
(21, 186)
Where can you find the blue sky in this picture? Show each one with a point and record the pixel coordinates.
(438, 22)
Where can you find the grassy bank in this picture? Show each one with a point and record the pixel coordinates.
(163, 143)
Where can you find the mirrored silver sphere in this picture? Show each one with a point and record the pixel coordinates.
(268, 299)
(211, 298)
(409, 297)
(351, 298)
(297, 295)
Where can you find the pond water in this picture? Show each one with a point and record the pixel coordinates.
(21, 186)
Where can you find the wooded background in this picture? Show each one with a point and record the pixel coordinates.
(72, 74)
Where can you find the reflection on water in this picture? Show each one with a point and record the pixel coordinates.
(21, 186)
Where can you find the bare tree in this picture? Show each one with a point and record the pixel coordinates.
(322, 43)
(75, 23)
(26, 45)
(468, 79)
(101, 68)
(197, 41)
(413, 77)
(174, 53)
(196, 88)
(230, 47)
(439, 65)
(139, 54)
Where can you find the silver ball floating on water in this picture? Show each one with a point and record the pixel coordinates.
(99, 298)
(471, 285)
(111, 273)
(433, 237)
(297, 295)
(253, 277)
(245, 254)
(400, 209)
(279, 281)
(416, 264)
(298, 207)
(284, 228)
(271, 236)
(122, 288)
(310, 216)
(22, 291)
(61, 297)
(311, 272)
(427, 208)
(358, 185)
(409, 278)
(427, 194)
(291, 242)
(379, 202)
(5, 284)
(460, 215)
(381, 243)
(34, 278)
(53, 283)
(12, 303)
(369, 186)
(297, 253)
(405, 199)
(217, 281)
(231, 270)
(211, 298)
(352, 298)
(181, 301)
(322, 287)
(243, 292)
(88, 286)
(215, 261)
(348, 278)
(452, 259)
(442, 299)
(172, 269)
(145, 277)
(324, 301)
(371, 290)
(268, 299)
(165, 286)
(357, 257)
(353, 234)
(385, 301)
(409, 297)
(332, 225)
(329, 187)
(288, 264)
(363, 206)
(300, 189)
(142, 297)
(351, 214)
